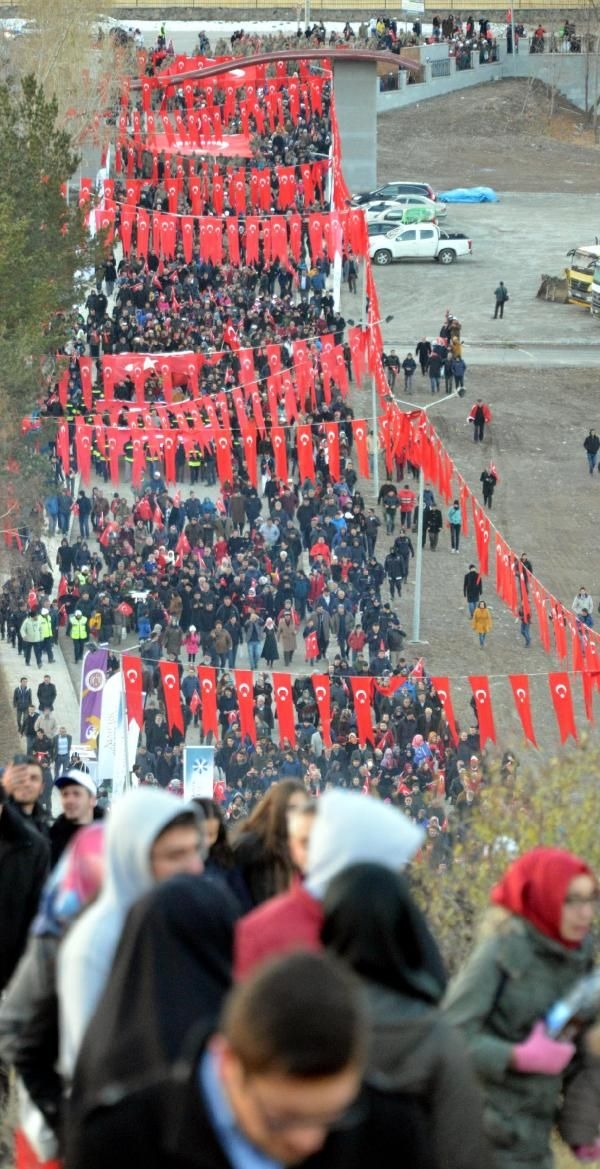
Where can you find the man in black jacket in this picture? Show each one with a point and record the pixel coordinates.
(24, 863)
(78, 795)
(282, 1070)
(472, 588)
(22, 700)
(24, 786)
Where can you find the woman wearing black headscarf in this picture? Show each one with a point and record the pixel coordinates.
(172, 971)
(372, 923)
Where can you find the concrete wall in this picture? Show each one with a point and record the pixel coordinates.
(566, 72)
(356, 89)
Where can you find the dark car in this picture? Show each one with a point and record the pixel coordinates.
(391, 190)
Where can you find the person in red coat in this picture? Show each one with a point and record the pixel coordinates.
(348, 829)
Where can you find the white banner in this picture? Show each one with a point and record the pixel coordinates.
(117, 748)
(198, 772)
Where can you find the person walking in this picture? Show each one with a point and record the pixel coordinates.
(488, 481)
(78, 633)
(472, 588)
(591, 447)
(32, 634)
(22, 701)
(455, 520)
(409, 366)
(583, 607)
(501, 295)
(459, 369)
(534, 948)
(423, 350)
(482, 622)
(479, 415)
(525, 619)
(435, 523)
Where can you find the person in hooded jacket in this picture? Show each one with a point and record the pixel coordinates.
(29, 1010)
(372, 923)
(349, 828)
(150, 836)
(533, 950)
(178, 937)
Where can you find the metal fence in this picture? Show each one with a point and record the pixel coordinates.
(318, 6)
(440, 68)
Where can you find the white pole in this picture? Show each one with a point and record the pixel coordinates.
(418, 564)
(375, 437)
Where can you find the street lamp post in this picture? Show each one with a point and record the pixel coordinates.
(416, 631)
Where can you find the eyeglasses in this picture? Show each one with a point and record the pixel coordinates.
(348, 1119)
(577, 902)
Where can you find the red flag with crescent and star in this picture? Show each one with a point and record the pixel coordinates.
(520, 688)
(562, 701)
(284, 704)
(207, 677)
(481, 692)
(132, 681)
(244, 688)
(169, 676)
(362, 689)
(322, 688)
(442, 687)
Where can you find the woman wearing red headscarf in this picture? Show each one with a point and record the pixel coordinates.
(534, 948)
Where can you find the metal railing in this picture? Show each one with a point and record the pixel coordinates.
(440, 68)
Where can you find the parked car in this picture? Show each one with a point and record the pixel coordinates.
(427, 242)
(394, 210)
(392, 190)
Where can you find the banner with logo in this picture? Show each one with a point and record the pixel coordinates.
(93, 681)
(198, 772)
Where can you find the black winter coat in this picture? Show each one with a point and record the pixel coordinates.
(24, 863)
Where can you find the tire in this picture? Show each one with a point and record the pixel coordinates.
(382, 257)
(446, 256)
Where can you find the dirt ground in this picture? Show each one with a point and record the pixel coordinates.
(499, 135)
(545, 504)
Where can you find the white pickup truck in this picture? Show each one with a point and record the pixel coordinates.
(421, 242)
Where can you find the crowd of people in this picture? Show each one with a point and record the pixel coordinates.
(313, 1019)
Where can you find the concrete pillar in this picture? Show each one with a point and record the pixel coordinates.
(475, 62)
(356, 85)
(428, 78)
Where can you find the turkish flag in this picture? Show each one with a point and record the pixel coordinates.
(333, 448)
(250, 454)
(258, 413)
(233, 241)
(63, 447)
(223, 453)
(481, 692)
(362, 689)
(207, 676)
(482, 536)
(143, 228)
(356, 230)
(284, 704)
(251, 239)
(279, 452)
(562, 701)
(306, 464)
(132, 682)
(315, 236)
(169, 676)
(85, 369)
(246, 360)
(83, 446)
(558, 628)
(322, 688)
(187, 233)
(244, 686)
(295, 232)
(539, 598)
(578, 633)
(464, 511)
(442, 687)
(311, 647)
(520, 688)
(359, 430)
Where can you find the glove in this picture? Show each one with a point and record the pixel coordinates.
(542, 1055)
(588, 1152)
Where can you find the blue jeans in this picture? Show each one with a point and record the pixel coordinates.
(482, 638)
(253, 654)
(526, 633)
(591, 461)
(472, 607)
(434, 382)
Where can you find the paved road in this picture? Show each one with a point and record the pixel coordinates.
(515, 240)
